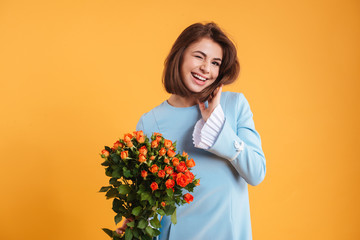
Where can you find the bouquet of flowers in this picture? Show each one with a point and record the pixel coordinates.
(147, 179)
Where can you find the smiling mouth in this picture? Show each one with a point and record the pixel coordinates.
(198, 77)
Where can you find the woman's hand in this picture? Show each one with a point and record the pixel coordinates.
(123, 227)
(213, 101)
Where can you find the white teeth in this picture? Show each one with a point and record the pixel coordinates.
(199, 77)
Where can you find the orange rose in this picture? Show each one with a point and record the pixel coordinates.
(171, 153)
(105, 153)
(158, 138)
(144, 173)
(188, 198)
(140, 136)
(166, 160)
(182, 180)
(167, 143)
(170, 183)
(152, 157)
(181, 167)
(124, 155)
(162, 152)
(190, 176)
(184, 154)
(197, 183)
(127, 137)
(154, 144)
(190, 163)
(154, 168)
(169, 170)
(129, 144)
(143, 150)
(154, 186)
(174, 175)
(161, 173)
(163, 204)
(142, 158)
(157, 134)
(175, 161)
(117, 144)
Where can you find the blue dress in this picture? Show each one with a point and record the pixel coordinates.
(220, 209)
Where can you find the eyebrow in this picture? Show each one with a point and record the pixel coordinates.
(202, 53)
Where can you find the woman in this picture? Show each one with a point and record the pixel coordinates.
(215, 128)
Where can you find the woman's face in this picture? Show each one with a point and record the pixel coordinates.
(201, 64)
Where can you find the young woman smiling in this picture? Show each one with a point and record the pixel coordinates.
(215, 128)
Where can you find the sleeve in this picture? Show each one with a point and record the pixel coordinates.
(205, 133)
(242, 148)
(140, 124)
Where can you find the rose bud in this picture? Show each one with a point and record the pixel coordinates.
(154, 186)
(170, 183)
(197, 183)
(184, 154)
(140, 136)
(161, 173)
(143, 150)
(162, 152)
(124, 155)
(166, 160)
(105, 153)
(152, 158)
(181, 167)
(190, 163)
(142, 158)
(190, 176)
(154, 144)
(167, 143)
(171, 153)
(182, 180)
(168, 170)
(129, 144)
(163, 204)
(175, 162)
(188, 198)
(144, 173)
(127, 137)
(154, 168)
(117, 144)
(158, 138)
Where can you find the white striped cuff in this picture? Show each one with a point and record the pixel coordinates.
(205, 133)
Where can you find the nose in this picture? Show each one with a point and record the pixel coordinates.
(205, 67)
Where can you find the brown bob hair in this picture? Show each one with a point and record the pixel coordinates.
(229, 68)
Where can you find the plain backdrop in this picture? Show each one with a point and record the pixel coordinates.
(77, 75)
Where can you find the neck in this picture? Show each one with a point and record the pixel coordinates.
(178, 101)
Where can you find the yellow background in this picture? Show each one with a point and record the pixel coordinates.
(76, 75)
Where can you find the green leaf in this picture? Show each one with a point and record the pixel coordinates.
(169, 210)
(116, 205)
(131, 224)
(161, 212)
(169, 192)
(115, 157)
(173, 217)
(142, 224)
(113, 181)
(124, 189)
(145, 196)
(116, 173)
(149, 230)
(108, 232)
(136, 211)
(127, 172)
(128, 234)
(118, 218)
(105, 189)
(157, 194)
(131, 197)
(111, 193)
(136, 233)
(155, 222)
(107, 149)
(106, 163)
